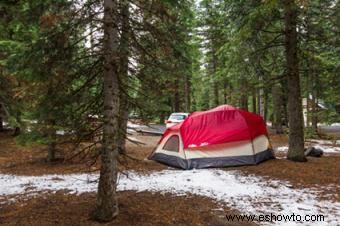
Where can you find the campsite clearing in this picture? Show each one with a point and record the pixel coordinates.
(206, 206)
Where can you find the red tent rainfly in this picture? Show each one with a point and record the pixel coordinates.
(223, 136)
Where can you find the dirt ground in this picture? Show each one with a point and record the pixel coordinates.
(316, 171)
(31, 160)
(143, 208)
(21, 160)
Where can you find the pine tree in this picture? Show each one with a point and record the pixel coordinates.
(296, 136)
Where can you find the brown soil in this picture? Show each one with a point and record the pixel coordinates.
(316, 171)
(31, 160)
(143, 208)
(278, 140)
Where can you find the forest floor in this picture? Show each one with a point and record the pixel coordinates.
(160, 206)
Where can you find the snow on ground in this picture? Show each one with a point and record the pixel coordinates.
(333, 124)
(133, 125)
(133, 139)
(282, 149)
(326, 149)
(249, 194)
(326, 142)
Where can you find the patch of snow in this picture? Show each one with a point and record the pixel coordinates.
(327, 142)
(93, 116)
(130, 130)
(333, 124)
(60, 132)
(134, 139)
(133, 125)
(280, 157)
(282, 149)
(326, 149)
(248, 194)
(76, 183)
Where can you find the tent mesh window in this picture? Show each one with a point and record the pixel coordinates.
(172, 144)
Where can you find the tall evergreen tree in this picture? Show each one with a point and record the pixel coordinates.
(296, 136)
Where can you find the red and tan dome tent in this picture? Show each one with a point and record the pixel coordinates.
(223, 136)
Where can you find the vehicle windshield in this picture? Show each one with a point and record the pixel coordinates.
(177, 117)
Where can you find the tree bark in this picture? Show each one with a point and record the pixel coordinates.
(1, 119)
(216, 99)
(225, 91)
(123, 75)
(314, 102)
(295, 118)
(243, 93)
(187, 98)
(214, 79)
(17, 129)
(51, 133)
(244, 102)
(284, 88)
(106, 205)
(51, 155)
(265, 105)
(260, 98)
(1, 124)
(176, 103)
(277, 108)
(254, 101)
(261, 102)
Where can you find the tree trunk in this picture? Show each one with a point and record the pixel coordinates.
(214, 79)
(91, 12)
(106, 205)
(176, 97)
(225, 91)
(243, 93)
(308, 110)
(284, 85)
(51, 133)
(309, 87)
(296, 136)
(277, 108)
(17, 129)
(254, 101)
(187, 93)
(260, 98)
(314, 103)
(1, 124)
(1, 119)
(314, 114)
(261, 102)
(161, 118)
(51, 152)
(265, 105)
(216, 99)
(123, 120)
(123, 75)
(244, 102)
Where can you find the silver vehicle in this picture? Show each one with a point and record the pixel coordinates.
(175, 118)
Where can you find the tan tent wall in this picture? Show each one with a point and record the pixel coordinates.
(228, 154)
